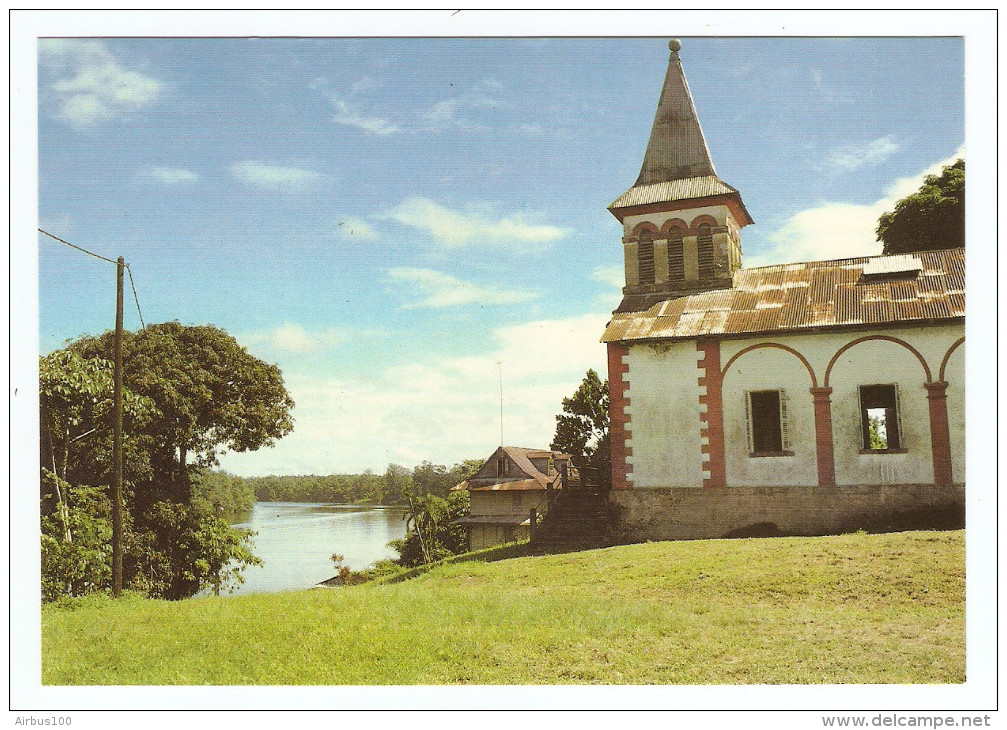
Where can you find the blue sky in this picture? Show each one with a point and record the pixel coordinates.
(389, 219)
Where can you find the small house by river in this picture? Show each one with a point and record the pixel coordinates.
(509, 484)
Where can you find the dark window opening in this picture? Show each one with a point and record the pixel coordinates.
(879, 417)
(704, 242)
(645, 255)
(766, 422)
(676, 255)
(503, 466)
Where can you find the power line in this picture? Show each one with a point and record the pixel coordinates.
(135, 298)
(98, 256)
(89, 253)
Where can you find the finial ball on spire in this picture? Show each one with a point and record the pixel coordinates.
(675, 45)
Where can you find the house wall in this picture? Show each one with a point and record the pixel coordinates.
(500, 502)
(670, 406)
(515, 504)
(484, 536)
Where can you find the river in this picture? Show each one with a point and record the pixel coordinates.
(296, 541)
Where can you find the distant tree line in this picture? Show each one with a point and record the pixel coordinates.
(394, 487)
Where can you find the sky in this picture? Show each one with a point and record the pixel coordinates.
(406, 226)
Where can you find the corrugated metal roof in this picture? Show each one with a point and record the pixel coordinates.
(812, 295)
(511, 520)
(671, 190)
(519, 485)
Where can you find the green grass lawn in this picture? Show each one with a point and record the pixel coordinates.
(854, 608)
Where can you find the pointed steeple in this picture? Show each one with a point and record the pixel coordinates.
(681, 223)
(677, 165)
(677, 149)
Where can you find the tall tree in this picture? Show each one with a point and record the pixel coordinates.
(931, 218)
(205, 393)
(582, 428)
(210, 394)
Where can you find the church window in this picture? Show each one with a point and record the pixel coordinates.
(768, 431)
(704, 242)
(645, 256)
(880, 420)
(676, 255)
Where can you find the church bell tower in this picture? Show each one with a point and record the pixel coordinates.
(681, 223)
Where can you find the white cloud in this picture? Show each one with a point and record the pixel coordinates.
(613, 276)
(274, 177)
(854, 156)
(351, 228)
(94, 87)
(365, 84)
(293, 338)
(455, 113)
(839, 230)
(442, 290)
(452, 228)
(444, 409)
(350, 116)
(169, 175)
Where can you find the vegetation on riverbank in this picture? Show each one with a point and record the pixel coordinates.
(847, 609)
(391, 488)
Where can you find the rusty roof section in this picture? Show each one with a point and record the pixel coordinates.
(525, 476)
(809, 296)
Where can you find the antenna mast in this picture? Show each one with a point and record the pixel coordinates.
(500, 369)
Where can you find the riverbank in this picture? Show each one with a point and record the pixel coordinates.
(847, 609)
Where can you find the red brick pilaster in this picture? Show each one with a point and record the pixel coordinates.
(617, 416)
(940, 438)
(712, 422)
(824, 448)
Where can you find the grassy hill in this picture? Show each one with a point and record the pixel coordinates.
(854, 608)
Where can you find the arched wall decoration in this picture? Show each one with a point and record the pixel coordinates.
(671, 223)
(700, 220)
(641, 227)
(947, 356)
(776, 345)
(885, 338)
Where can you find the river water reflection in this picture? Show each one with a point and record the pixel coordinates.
(296, 541)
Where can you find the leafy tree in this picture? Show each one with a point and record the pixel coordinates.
(430, 536)
(225, 495)
(210, 394)
(83, 564)
(582, 428)
(194, 392)
(931, 218)
(398, 482)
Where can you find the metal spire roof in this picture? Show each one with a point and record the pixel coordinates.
(677, 164)
(677, 148)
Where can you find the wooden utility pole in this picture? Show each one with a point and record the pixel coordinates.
(117, 440)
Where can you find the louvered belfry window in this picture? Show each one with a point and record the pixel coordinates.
(645, 255)
(704, 242)
(676, 255)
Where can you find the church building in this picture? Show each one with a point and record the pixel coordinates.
(804, 398)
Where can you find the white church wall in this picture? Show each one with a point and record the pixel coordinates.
(664, 416)
(768, 369)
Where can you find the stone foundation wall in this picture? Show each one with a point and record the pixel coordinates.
(694, 513)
